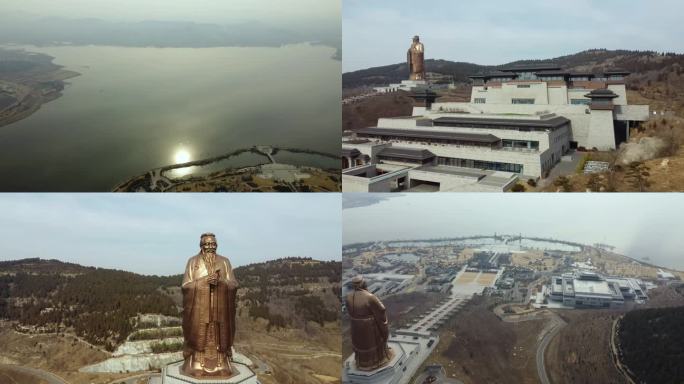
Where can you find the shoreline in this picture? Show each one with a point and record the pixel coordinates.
(30, 108)
(631, 259)
(32, 88)
(266, 175)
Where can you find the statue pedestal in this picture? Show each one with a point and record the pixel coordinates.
(405, 85)
(171, 375)
(392, 373)
(411, 84)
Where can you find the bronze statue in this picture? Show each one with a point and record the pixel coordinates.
(209, 288)
(369, 327)
(415, 58)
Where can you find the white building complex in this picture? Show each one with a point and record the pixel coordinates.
(588, 289)
(519, 123)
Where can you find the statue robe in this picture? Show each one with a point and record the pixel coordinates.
(369, 329)
(197, 307)
(415, 59)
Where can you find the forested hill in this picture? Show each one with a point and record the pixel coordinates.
(288, 271)
(651, 344)
(94, 303)
(291, 292)
(100, 304)
(654, 65)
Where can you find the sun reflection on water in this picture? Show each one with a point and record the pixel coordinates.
(180, 156)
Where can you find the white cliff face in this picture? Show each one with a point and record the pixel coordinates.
(142, 346)
(133, 363)
(144, 361)
(135, 356)
(156, 320)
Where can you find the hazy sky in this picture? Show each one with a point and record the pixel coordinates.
(156, 234)
(211, 11)
(499, 31)
(640, 225)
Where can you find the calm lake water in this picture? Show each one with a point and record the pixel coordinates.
(133, 109)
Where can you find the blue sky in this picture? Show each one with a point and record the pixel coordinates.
(156, 234)
(499, 31)
(639, 224)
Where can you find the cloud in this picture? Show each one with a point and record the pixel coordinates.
(156, 233)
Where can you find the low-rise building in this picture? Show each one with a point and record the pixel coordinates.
(519, 123)
(586, 289)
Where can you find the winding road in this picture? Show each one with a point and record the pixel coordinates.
(614, 350)
(551, 329)
(555, 325)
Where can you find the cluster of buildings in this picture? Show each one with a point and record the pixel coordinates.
(583, 289)
(519, 123)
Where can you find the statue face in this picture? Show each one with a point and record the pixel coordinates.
(208, 245)
(416, 39)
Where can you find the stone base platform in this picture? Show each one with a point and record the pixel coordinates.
(389, 374)
(171, 375)
(410, 84)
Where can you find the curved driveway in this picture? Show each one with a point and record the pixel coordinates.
(554, 327)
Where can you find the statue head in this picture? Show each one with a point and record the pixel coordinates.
(416, 39)
(208, 243)
(358, 282)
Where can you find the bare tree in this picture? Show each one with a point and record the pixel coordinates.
(564, 183)
(594, 183)
(637, 175)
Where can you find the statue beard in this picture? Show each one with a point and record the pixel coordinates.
(209, 256)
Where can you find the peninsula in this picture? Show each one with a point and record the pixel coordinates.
(213, 175)
(27, 81)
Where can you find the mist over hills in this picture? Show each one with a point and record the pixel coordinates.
(179, 34)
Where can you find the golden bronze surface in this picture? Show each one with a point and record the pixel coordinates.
(209, 289)
(415, 58)
(369, 328)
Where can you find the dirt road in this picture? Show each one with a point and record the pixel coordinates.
(554, 326)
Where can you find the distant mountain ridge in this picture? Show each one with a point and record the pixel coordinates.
(592, 60)
(56, 31)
